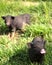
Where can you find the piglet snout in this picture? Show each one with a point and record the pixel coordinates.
(42, 51)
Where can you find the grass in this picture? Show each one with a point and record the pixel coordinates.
(15, 52)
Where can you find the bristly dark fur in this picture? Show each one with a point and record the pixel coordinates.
(34, 48)
(16, 22)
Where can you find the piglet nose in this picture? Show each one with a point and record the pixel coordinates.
(8, 23)
(42, 51)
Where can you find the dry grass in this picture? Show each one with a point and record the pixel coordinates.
(30, 3)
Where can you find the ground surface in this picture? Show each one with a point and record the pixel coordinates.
(15, 51)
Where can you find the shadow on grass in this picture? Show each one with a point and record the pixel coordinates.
(21, 58)
(3, 30)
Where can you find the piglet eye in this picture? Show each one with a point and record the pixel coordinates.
(38, 41)
(34, 47)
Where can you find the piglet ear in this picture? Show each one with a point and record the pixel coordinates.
(41, 35)
(30, 45)
(3, 17)
(12, 17)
